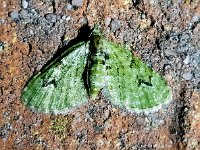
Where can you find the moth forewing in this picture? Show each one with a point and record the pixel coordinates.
(59, 87)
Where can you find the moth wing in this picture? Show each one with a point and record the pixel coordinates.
(131, 83)
(59, 87)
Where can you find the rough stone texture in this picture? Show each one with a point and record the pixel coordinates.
(165, 34)
(14, 15)
(77, 3)
(51, 18)
(2, 46)
(24, 4)
(115, 25)
(23, 13)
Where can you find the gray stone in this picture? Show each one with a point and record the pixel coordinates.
(63, 17)
(107, 21)
(2, 21)
(69, 7)
(188, 76)
(153, 2)
(24, 4)
(2, 46)
(170, 52)
(66, 18)
(31, 32)
(196, 59)
(77, 3)
(51, 17)
(115, 25)
(58, 17)
(3, 133)
(23, 13)
(196, 30)
(14, 15)
(4, 130)
(195, 18)
(83, 21)
(187, 60)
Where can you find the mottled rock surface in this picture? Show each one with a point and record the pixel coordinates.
(165, 34)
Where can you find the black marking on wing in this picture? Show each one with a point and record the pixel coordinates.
(54, 82)
(140, 81)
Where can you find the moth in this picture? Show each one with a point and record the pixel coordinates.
(91, 67)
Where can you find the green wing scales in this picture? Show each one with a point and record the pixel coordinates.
(123, 78)
(59, 87)
(88, 68)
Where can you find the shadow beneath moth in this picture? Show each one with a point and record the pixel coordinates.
(93, 66)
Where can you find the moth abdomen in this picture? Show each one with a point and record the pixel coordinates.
(97, 73)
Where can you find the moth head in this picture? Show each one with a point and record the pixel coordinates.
(96, 37)
(96, 31)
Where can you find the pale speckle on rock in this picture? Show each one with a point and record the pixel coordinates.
(169, 52)
(100, 142)
(2, 46)
(66, 18)
(83, 21)
(24, 4)
(107, 21)
(23, 13)
(115, 25)
(14, 15)
(145, 23)
(77, 3)
(51, 17)
(2, 21)
(5, 129)
(31, 32)
(195, 18)
(188, 76)
(69, 7)
(196, 30)
(4, 4)
(192, 143)
(196, 59)
(153, 2)
(186, 60)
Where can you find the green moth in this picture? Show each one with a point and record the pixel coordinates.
(91, 67)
